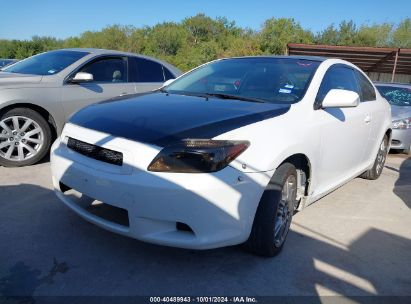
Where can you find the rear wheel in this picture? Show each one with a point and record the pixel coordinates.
(274, 213)
(25, 137)
(379, 162)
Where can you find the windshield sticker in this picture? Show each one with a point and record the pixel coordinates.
(304, 64)
(220, 88)
(285, 91)
(289, 86)
(51, 71)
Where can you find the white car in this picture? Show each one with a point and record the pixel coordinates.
(225, 154)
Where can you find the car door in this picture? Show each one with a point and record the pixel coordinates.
(147, 75)
(376, 116)
(343, 131)
(109, 80)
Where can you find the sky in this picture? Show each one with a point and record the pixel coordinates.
(22, 19)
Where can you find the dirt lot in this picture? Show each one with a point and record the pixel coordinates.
(355, 241)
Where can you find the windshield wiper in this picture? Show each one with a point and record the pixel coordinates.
(217, 95)
(228, 96)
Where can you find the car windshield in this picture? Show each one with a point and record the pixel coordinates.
(4, 62)
(397, 96)
(264, 79)
(46, 63)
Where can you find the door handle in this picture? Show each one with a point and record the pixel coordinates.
(367, 119)
(122, 94)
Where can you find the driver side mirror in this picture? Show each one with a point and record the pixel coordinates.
(82, 77)
(167, 82)
(337, 98)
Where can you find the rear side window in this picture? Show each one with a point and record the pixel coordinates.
(167, 74)
(337, 77)
(144, 70)
(367, 90)
(106, 70)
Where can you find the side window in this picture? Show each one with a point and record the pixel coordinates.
(337, 77)
(109, 69)
(367, 90)
(167, 74)
(143, 70)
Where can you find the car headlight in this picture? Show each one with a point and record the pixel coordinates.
(402, 123)
(197, 156)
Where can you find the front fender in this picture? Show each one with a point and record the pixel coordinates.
(47, 100)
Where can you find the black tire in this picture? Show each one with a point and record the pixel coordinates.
(262, 240)
(379, 161)
(43, 148)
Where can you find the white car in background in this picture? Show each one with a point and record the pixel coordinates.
(38, 94)
(225, 154)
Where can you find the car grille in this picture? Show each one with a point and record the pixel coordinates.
(96, 152)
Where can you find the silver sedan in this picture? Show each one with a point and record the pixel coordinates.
(38, 94)
(399, 96)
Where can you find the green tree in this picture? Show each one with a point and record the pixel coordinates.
(402, 34)
(201, 28)
(347, 33)
(190, 57)
(378, 35)
(113, 37)
(199, 39)
(8, 48)
(328, 36)
(277, 33)
(138, 40)
(166, 39)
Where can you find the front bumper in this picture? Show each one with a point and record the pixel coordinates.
(219, 207)
(401, 139)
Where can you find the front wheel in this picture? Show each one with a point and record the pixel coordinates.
(379, 161)
(25, 137)
(274, 213)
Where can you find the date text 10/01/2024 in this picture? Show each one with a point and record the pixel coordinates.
(203, 300)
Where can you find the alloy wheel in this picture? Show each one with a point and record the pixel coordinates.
(21, 138)
(285, 210)
(382, 153)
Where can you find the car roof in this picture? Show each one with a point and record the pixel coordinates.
(392, 84)
(97, 51)
(313, 58)
(104, 51)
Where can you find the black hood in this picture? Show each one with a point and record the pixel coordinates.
(162, 119)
